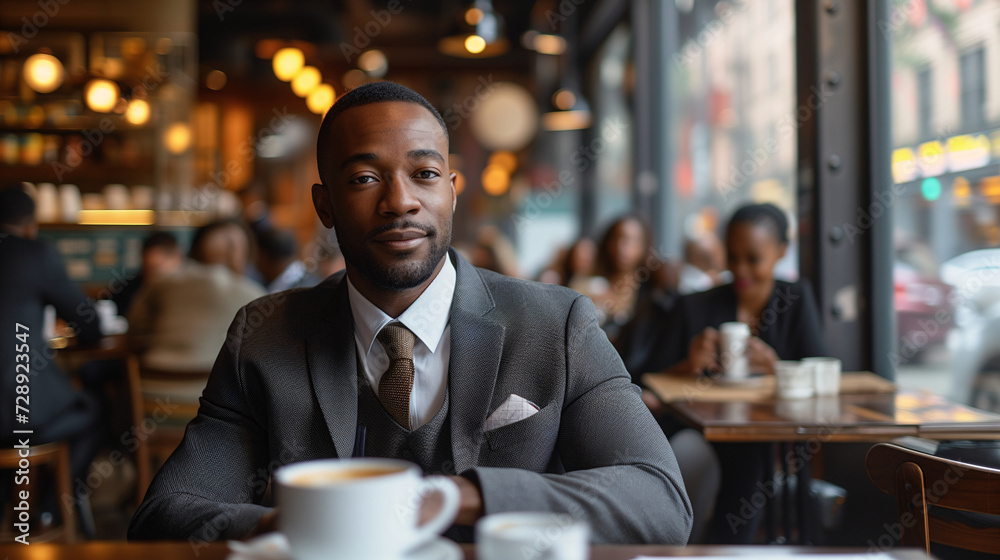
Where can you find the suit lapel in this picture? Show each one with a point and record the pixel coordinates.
(332, 361)
(476, 347)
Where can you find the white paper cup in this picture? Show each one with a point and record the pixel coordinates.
(359, 508)
(826, 372)
(793, 380)
(542, 536)
(733, 337)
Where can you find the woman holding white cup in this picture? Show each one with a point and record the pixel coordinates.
(783, 324)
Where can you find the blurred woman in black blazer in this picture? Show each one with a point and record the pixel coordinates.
(784, 324)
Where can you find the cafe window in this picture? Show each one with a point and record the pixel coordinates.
(611, 82)
(733, 117)
(972, 76)
(946, 269)
(925, 95)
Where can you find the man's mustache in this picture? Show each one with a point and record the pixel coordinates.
(430, 230)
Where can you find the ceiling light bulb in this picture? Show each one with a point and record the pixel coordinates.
(137, 112)
(374, 63)
(320, 99)
(473, 16)
(177, 138)
(102, 95)
(287, 63)
(43, 72)
(475, 44)
(307, 79)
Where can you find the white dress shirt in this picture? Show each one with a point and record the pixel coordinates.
(429, 319)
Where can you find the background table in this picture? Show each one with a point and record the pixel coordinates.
(868, 409)
(218, 551)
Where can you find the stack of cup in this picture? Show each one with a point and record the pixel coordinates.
(793, 379)
(826, 375)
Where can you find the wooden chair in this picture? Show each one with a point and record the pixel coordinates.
(55, 454)
(919, 480)
(158, 424)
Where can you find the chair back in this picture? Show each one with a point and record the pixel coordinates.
(55, 454)
(163, 402)
(919, 481)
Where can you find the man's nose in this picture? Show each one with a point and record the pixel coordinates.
(398, 197)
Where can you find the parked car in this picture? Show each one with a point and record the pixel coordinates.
(924, 314)
(975, 343)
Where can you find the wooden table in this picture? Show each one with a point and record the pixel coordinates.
(869, 409)
(218, 551)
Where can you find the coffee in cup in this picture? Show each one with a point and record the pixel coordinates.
(359, 508)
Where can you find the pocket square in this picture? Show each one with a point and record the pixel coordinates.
(514, 409)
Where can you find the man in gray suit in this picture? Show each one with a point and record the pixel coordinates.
(508, 386)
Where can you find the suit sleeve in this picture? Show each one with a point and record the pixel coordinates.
(621, 474)
(212, 485)
(69, 300)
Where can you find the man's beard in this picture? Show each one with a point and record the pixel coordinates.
(401, 276)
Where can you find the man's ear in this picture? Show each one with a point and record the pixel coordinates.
(321, 200)
(454, 193)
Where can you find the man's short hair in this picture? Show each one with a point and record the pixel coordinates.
(16, 206)
(375, 92)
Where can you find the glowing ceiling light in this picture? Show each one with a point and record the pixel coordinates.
(287, 63)
(475, 44)
(102, 95)
(320, 99)
(307, 79)
(137, 112)
(43, 72)
(177, 138)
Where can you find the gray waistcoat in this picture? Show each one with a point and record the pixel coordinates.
(428, 446)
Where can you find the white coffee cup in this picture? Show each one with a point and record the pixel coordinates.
(107, 312)
(543, 536)
(733, 337)
(793, 379)
(826, 372)
(359, 508)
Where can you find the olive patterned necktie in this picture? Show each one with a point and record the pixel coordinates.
(396, 384)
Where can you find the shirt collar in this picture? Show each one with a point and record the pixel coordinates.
(427, 317)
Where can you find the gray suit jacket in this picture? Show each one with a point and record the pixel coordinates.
(284, 389)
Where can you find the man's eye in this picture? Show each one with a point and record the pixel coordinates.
(427, 174)
(362, 180)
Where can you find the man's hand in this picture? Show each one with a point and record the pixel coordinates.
(470, 503)
(266, 524)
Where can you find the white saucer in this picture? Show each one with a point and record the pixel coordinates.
(274, 546)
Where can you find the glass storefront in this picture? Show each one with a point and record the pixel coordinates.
(946, 174)
(734, 124)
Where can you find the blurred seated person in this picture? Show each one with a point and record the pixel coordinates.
(160, 256)
(178, 322)
(34, 276)
(493, 251)
(278, 262)
(784, 324)
(704, 264)
(783, 318)
(620, 257)
(578, 268)
(324, 259)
